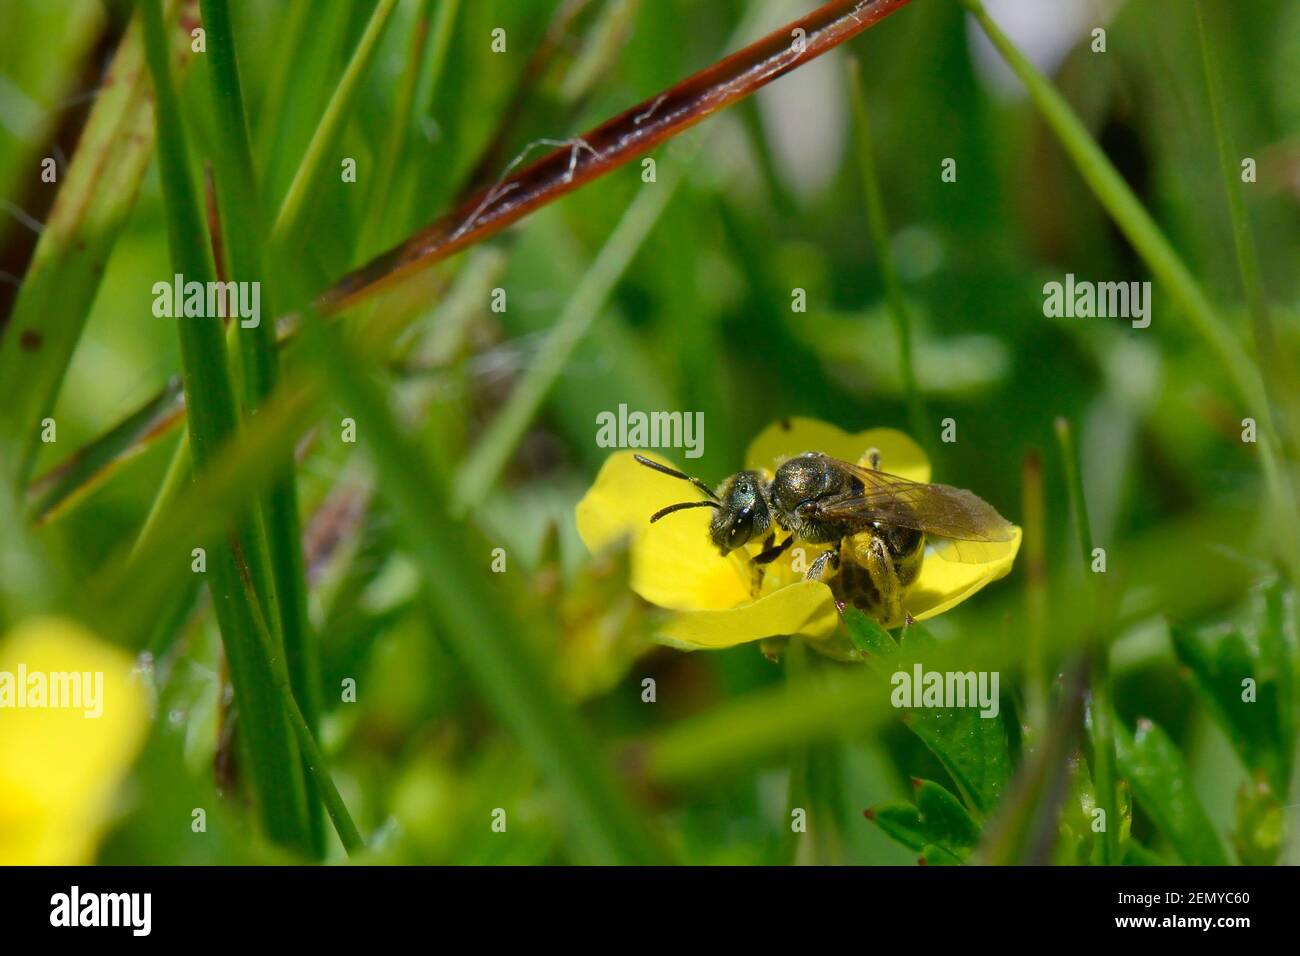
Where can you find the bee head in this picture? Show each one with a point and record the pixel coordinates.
(740, 506)
(744, 512)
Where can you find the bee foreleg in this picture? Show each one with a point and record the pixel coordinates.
(871, 459)
(818, 567)
(765, 557)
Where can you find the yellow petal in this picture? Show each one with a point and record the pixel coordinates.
(942, 584)
(806, 609)
(673, 563)
(899, 455)
(623, 498)
(59, 767)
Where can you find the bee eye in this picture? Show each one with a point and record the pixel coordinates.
(741, 530)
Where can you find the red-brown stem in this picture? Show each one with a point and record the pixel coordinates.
(613, 143)
(490, 161)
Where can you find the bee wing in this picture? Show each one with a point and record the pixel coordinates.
(965, 552)
(941, 511)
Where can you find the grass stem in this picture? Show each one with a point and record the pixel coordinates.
(244, 242)
(1243, 241)
(274, 771)
(307, 177)
(879, 225)
(1101, 713)
(1136, 223)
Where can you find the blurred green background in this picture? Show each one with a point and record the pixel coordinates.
(771, 201)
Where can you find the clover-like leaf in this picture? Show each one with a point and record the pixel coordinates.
(1162, 784)
(975, 750)
(936, 818)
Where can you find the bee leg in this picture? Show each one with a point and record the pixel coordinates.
(818, 567)
(765, 557)
(871, 459)
(875, 558)
(770, 553)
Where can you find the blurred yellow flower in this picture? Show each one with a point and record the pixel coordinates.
(72, 718)
(674, 565)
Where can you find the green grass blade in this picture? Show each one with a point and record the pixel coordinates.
(479, 472)
(879, 226)
(295, 23)
(92, 206)
(1141, 230)
(314, 763)
(177, 477)
(1273, 361)
(307, 178)
(274, 770)
(602, 49)
(424, 69)
(244, 236)
(83, 470)
(1103, 741)
(228, 485)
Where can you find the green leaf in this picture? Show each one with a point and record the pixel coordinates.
(937, 818)
(1221, 661)
(1162, 785)
(1100, 732)
(1079, 843)
(872, 640)
(1138, 855)
(937, 856)
(902, 821)
(973, 749)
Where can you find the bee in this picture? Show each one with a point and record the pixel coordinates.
(874, 525)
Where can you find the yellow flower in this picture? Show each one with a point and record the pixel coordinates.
(674, 565)
(60, 765)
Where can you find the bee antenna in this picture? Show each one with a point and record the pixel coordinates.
(674, 473)
(682, 507)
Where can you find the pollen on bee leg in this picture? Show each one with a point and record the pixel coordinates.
(875, 557)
